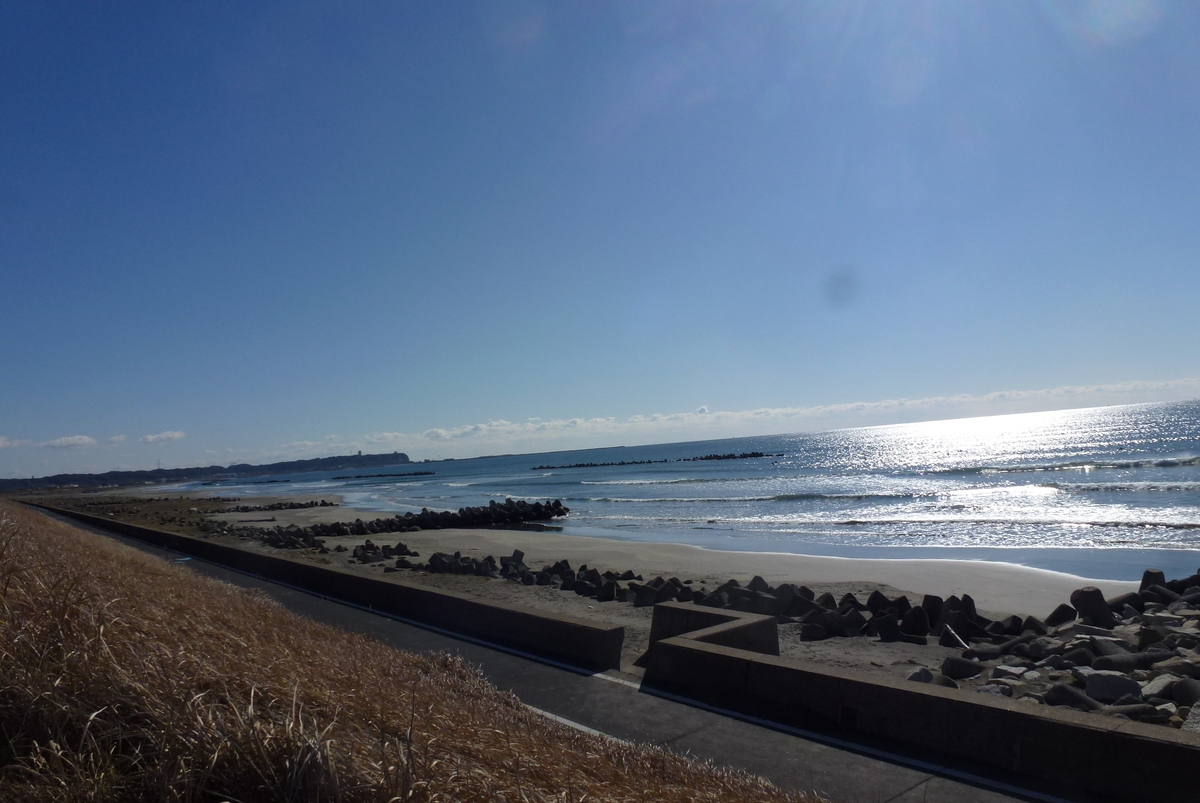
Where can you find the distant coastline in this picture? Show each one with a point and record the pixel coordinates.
(237, 471)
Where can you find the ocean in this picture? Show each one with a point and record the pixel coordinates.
(1100, 492)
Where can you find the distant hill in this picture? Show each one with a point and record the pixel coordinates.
(237, 471)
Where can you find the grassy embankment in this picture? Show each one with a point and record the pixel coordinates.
(125, 678)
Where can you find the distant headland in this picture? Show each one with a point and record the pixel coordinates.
(238, 471)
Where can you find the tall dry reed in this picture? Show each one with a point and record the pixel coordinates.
(126, 678)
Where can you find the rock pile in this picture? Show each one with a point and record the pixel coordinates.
(274, 506)
(1133, 656)
(510, 514)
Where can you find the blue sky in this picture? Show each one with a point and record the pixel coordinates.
(254, 231)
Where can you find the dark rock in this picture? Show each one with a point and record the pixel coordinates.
(944, 682)
(1161, 688)
(1165, 594)
(765, 603)
(666, 592)
(915, 622)
(827, 601)
(876, 602)
(957, 668)
(1104, 646)
(802, 605)
(889, 630)
(1152, 577)
(607, 591)
(1093, 609)
(784, 593)
(1131, 662)
(806, 592)
(758, 584)
(1118, 603)
(1150, 598)
(1148, 636)
(1138, 711)
(854, 621)
(1042, 648)
(951, 639)
(1066, 694)
(933, 608)
(968, 606)
(1034, 625)
(836, 624)
(1061, 615)
(990, 651)
(1108, 687)
(1186, 692)
(645, 595)
(1080, 656)
(997, 689)
(962, 624)
(852, 601)
(921, 675)
(811, 632)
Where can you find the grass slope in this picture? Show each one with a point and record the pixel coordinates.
(125, 678)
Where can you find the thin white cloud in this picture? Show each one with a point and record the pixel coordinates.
(570, 433)
(163, 437)
(70, 442)
(6, 443)
(117, 439)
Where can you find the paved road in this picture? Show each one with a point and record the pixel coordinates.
(846, 772)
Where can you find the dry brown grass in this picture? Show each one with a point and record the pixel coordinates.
(125, 678)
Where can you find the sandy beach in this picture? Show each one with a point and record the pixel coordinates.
(999, 589)
(996, 587)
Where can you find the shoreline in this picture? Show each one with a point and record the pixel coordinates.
(1096, 565)
(997, 586)
(1099, 564)
(999, 589)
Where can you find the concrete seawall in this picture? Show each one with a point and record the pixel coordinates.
(573, 641)
(1118, 759)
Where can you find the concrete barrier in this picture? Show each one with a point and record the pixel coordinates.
(1116, 758)
(563, 638)
(746, 631)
